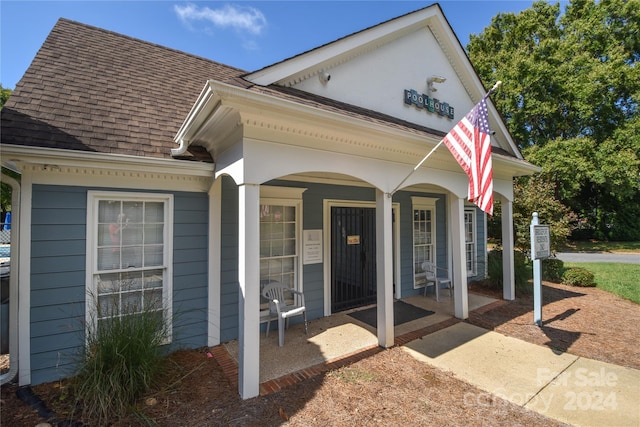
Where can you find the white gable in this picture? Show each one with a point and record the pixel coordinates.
(378, 79)
(373, 68)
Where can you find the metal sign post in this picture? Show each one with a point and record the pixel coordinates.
(540, 249)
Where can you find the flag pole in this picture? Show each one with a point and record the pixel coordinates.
(424, 159)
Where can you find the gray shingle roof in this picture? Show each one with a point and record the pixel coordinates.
(94, 90)
(89, 89)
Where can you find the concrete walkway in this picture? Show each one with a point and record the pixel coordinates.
(571, 389)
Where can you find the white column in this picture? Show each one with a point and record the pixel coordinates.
(508, 270)
(459, 273)
(384, 269)
(24, 279)
(215, 209)
(249, 296)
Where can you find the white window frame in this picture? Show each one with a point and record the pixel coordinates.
(471, 245)
(287, 196)
(93, 200)
(427, 204)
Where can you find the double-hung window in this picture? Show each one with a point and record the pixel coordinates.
(129, 255)
(424, 236)
(470, 240)
(280, 222)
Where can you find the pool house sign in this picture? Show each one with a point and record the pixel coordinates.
(432, 105)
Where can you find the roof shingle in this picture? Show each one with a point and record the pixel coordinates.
(90, 89)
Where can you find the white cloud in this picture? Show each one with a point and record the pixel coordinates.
(239, 18)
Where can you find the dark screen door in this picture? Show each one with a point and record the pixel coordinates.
(353, 257)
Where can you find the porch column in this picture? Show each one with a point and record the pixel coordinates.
(384, 269)
(508, 270)
(215, 209)
(459, 273)
(249, 296)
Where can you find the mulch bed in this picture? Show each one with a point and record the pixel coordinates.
(389, 388)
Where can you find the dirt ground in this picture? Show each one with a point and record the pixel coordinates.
(387, 389)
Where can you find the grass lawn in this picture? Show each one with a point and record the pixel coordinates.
(599, 246)
(620, 279)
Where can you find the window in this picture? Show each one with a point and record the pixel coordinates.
(129, 250)
(278, 244)
(470, 240)
(424, 241)
(280, 213)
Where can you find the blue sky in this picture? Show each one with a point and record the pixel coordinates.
(244, 34)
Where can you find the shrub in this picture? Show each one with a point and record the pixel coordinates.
(522, 273)
(552, 269)
(577, 276)
(122, 356)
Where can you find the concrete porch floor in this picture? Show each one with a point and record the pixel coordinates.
(335, 341)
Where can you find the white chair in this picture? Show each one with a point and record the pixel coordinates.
(431, 278)
(284, 303)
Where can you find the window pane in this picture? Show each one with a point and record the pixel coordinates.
(108, 211)
(108, 283)
(277, 231)
(153, 212)
(131, 302)
(132, 211)
(277, 248)
(153, 279)
(130, 280)
(290, 247)
(132, 257)
(275, 266)
(108, 306)
(153, 299)
(153, 233)
(108, 258)
(289, 213)
(152, 255)
(132, 234)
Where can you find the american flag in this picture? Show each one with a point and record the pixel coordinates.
(470, 143)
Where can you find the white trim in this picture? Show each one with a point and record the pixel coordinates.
(14, 282)
(52, 174)
(310, 63)
(55, 157)
(93, 198)
(327, 204)
(215, 267)
(286, 193)
(24, 273)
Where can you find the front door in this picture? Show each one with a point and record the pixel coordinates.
(353, 257)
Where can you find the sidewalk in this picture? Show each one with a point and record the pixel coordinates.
(571, 389)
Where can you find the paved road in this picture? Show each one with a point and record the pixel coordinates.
(598, 257)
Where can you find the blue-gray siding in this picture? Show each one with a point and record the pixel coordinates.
(313, 202)
(58, 287)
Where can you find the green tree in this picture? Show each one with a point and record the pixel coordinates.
(535, 194)
(571, 100)
(4, 95)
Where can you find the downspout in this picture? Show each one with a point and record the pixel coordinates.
(184, 146)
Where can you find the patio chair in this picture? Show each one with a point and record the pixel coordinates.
(284, 303)
(432, 279)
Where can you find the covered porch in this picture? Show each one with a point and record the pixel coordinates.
(338, 340)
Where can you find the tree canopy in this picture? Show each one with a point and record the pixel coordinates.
(570, 98)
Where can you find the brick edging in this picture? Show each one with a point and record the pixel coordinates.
(230, 367)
